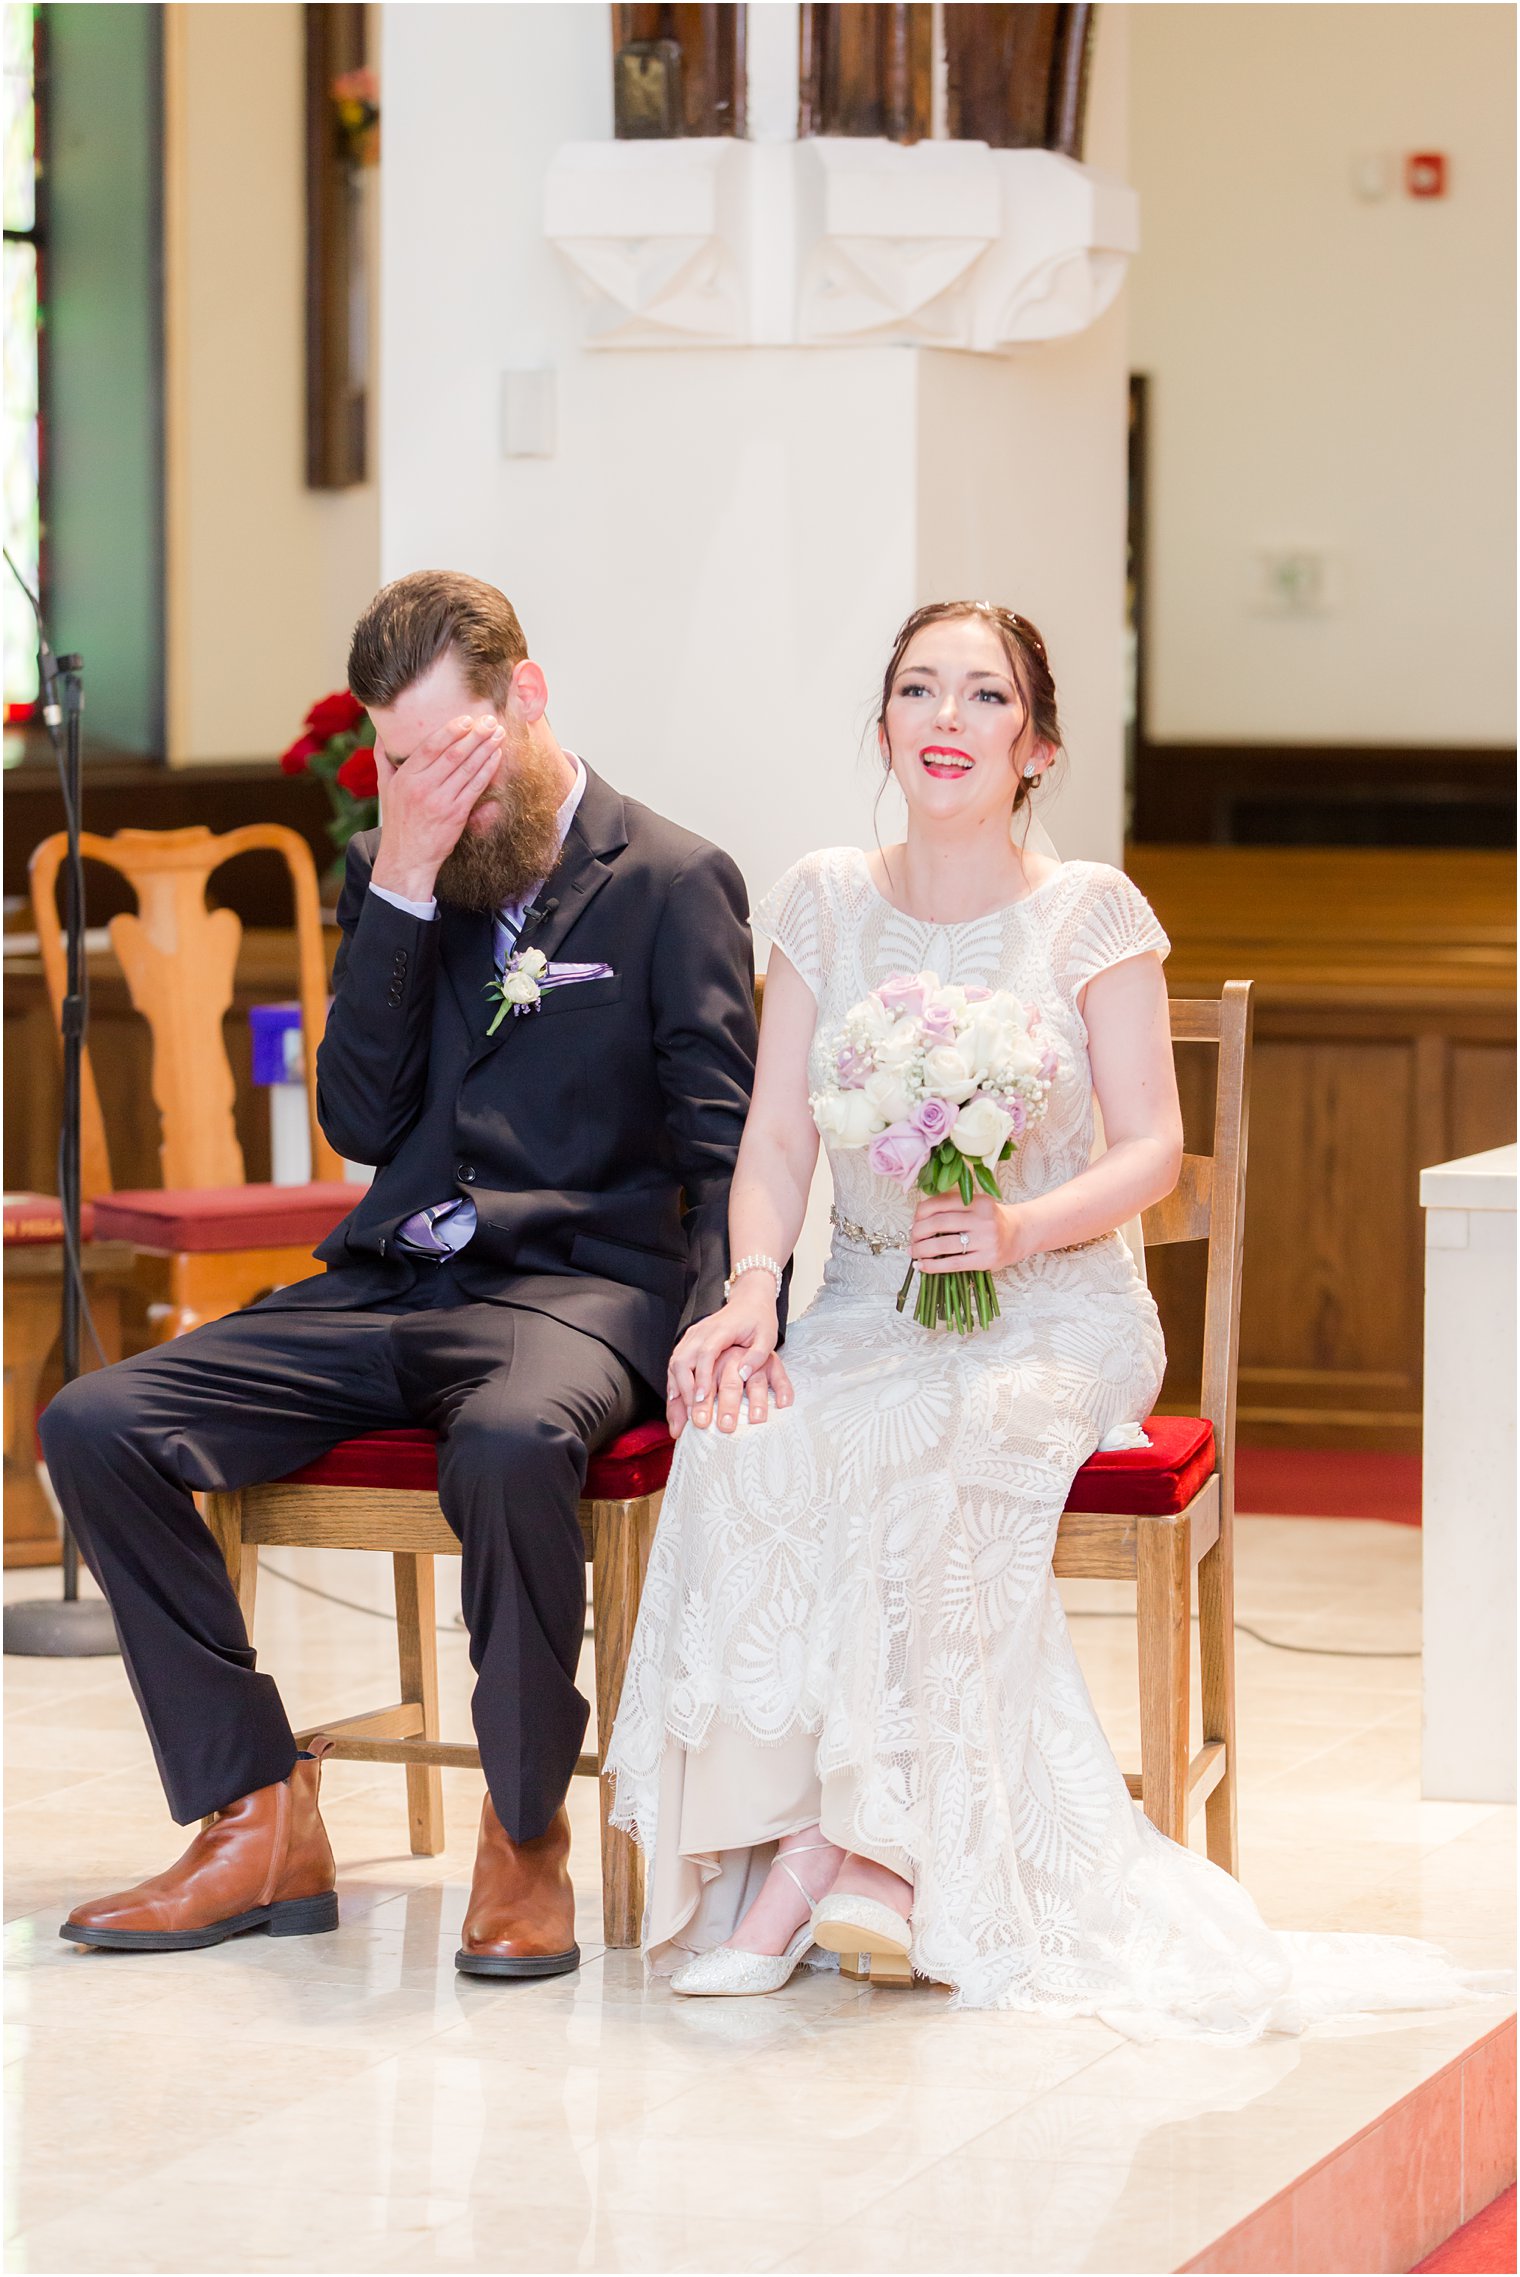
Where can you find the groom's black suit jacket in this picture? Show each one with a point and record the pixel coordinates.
(595, 1135)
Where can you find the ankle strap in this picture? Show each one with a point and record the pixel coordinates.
(803, 1850)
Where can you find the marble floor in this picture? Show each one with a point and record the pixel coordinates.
(347, 2103)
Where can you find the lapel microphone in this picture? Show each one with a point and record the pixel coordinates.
(539, 914)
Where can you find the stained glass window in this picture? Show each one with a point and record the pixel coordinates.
(21, 427)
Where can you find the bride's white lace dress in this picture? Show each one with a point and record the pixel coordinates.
(850, 1611)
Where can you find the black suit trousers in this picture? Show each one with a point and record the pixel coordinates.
(520, 1401)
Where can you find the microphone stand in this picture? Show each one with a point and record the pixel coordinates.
(72, 1626)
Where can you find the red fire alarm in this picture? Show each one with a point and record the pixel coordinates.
(1425, 174)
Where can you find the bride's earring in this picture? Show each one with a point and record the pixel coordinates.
(1031, 774)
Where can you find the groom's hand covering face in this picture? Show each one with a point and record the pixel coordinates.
(469, 791)
(431, 780)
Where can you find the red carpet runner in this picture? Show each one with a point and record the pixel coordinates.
(1312, 1482)
(1483, 2247)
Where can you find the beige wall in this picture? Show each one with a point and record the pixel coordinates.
(1327, 371)
(264, 576)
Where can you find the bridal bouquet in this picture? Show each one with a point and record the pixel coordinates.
(939, 1084)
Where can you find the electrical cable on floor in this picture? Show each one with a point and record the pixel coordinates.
(1244, 1629)
(1277, 1644)
(351, 1604)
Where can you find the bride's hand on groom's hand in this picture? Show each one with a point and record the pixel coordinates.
(993, 1232)
(727, 1362)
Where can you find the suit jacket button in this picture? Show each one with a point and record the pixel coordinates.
(382, 1245)
(401, 960)
(394, 993)
(465, 1173)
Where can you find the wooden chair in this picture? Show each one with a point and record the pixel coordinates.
(380, 1493)
(1107, 1531)
(208, 1241)
(1150, 1516)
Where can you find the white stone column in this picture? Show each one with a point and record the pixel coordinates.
(1469, 1503)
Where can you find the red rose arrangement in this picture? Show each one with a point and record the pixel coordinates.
(338, 744)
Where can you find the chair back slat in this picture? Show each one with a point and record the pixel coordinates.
(1183, 1214)
(1197, 1019)
(179, 958)
(1221, 1310)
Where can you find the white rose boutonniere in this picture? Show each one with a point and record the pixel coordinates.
(528, 974)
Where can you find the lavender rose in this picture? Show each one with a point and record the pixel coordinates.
(904, 992)
(899, 1152)
(933, 1119)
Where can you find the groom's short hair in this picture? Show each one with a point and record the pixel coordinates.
(414, 620)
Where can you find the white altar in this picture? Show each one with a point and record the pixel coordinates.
(1469, 1516)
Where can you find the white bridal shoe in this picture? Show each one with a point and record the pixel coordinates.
(726, 1969)
(870, 1938)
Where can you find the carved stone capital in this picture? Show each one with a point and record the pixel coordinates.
(834, 241)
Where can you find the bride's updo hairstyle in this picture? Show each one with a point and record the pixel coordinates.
(1025, 650)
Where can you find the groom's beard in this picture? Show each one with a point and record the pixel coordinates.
(495, 867)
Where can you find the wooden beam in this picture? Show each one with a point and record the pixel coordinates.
(337, 417)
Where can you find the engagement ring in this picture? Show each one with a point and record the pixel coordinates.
(965, 1241)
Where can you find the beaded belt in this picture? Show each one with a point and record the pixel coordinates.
(862, 1239)
(879, 1248)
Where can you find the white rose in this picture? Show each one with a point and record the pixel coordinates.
(988, 1041)
(1019, 1058)
(948, 1073)
(982, 1130)
(872, 1019)
(847, 1117)
(520, 988)
(889, 1095)
(899, 1050)
(533, 961)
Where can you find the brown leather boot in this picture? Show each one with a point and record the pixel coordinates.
(521, 1921)
(262, 1863)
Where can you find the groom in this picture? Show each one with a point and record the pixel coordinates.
(543, 1033)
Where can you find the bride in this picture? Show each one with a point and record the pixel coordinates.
(853, 1722)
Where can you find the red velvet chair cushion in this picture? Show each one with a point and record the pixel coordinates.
(637, 1463)
(33, 1220)
(1148, 1482)
(1142, 1481)
(225, 1217)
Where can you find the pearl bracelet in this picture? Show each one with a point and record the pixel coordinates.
(753, 1265)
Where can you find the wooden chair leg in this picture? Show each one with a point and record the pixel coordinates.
(224, 1516)
(621, 1534)
(31, 1331)
(1216, 1658)
(1165, 1638)
(417, 1651)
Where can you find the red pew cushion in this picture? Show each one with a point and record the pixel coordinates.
(225, 1217)
(638, 1462)
(1152, 1481)
(32, 1220)
(1148, 1482)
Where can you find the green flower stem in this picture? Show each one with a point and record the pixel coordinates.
(964, 1301)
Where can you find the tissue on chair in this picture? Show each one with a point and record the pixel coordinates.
(1122, 1436)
